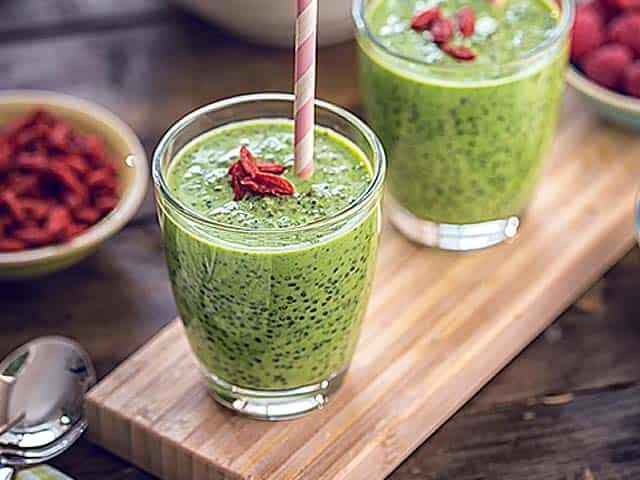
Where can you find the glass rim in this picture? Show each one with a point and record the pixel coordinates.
(362, 202)
(561, 29)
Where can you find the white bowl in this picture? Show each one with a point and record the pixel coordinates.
(617, 108)
(120, 142)
(272, 22)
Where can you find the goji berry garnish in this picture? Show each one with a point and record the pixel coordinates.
(271, 167)
(459, 52)
(259, 178)
(270, 184)
(441, 30)
(54, 182)
(248, 162)
(239, 192)
(466, 21)
(422, 20)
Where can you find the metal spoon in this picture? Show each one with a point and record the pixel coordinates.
(41, 401)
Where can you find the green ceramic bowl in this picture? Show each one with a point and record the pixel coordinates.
(615, 107)
(122, 144)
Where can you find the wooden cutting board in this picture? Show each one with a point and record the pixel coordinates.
(440, 325)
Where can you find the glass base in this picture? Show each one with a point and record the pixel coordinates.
(446, 236)
(274, 405)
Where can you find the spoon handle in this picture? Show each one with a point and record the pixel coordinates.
(6, 383)
(6, 473)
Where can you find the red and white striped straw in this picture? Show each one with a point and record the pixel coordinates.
(305, 86)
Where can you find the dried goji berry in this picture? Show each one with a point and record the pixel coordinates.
(24, 184)
(466, 21)
(106, 203)
(88, 215)
(101, 178)
(422, 20)
(71, 230)
(12, 205)
(93, 146)
(35, 209)
(68, 178)
(255, 187)
(33, 236)
(72, 200)
(239, 192)
(248, 162)
(33, 162)
(59, 217)
(6, 154)
(77, 164)
(441, 30)
(28, 136)
(12, 245)
(268, 183)
(271, 167)
(58, 136)
(459, 52)
(236, 170)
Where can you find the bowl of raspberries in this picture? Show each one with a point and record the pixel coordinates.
(605, 58)
(71, 175)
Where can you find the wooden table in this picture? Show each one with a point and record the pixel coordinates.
(566, 409)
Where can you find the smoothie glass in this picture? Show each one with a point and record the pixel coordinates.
(466, 142)
(272, 315)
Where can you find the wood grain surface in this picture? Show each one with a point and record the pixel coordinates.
(151, 63)
(440, 325)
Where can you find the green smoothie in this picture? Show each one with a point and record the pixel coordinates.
(465, 140)
(272, 299)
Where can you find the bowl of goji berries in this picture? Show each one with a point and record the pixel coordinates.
(71, 175)
(605, 58)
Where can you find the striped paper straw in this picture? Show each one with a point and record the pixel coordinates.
(305, 86)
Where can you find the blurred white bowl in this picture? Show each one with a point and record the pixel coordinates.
(272, 22)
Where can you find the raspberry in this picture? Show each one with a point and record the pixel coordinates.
(625, 29)
(623, 4)
(606, 64)
(631, 79)
(604, 10)
(588, 32)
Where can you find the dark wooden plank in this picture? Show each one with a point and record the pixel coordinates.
(567, 405)
(584, 436)
(593, 345)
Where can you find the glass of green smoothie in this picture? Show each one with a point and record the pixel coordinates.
(466, 110)
(272, 289)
